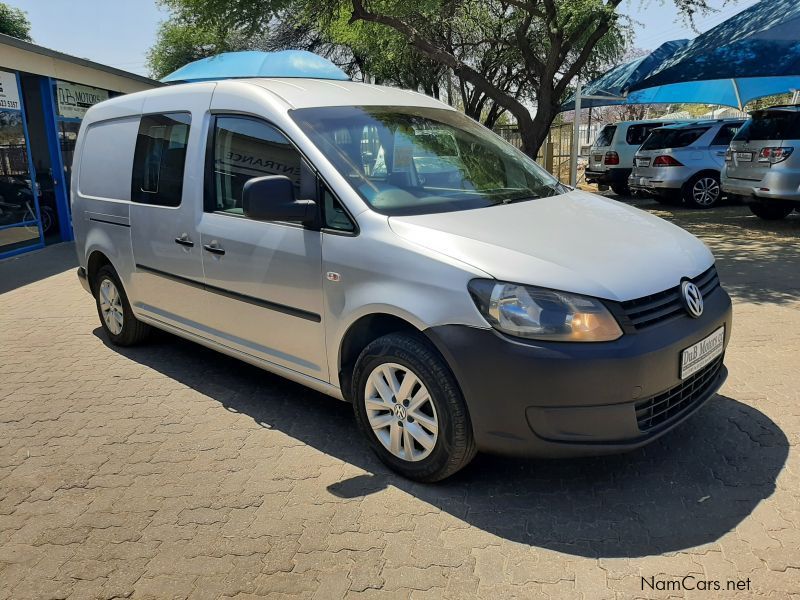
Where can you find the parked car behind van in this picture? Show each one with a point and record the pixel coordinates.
(683, 162)
(611, 154)
(763, 164)
(493, 309)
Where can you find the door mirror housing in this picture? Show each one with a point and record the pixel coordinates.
(272, 198)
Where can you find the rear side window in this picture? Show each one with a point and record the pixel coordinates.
(725, 134)
(638, 133)
(159, 159)
(771, 125)
(605, 136)
(107, 151)
(673, 138)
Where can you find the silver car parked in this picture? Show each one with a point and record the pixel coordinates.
(683, 162)
(763, 163)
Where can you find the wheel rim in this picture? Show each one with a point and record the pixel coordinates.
(705, 191)
(111, 306)
(401, 412)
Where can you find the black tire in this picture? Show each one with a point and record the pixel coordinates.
(455, 446)
(702, 190)
(770, 211)
(621, 189)
(133, 331)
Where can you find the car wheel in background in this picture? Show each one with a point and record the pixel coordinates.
(409, 406)
(702, 191)
(771, 211)
(116, 316)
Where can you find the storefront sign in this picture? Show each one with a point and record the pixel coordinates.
(9, 93)
(74, 100)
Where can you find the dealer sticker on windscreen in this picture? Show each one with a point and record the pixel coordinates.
(702, 353)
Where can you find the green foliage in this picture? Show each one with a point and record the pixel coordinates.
(14, 22)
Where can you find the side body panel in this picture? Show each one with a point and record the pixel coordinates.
(168, 280)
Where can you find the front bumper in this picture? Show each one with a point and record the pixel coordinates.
(568, 399)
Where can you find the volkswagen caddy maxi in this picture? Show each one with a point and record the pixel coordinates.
(473, 304)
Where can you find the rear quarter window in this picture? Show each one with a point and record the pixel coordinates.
(771, 125)
(638, 133)
(606, 136)
(108, 148)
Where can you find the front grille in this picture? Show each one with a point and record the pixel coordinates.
(665, 407)
(653, 309)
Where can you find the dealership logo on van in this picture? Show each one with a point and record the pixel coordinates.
(692, 299)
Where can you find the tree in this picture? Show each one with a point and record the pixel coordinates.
(14, 22)
(506, 55)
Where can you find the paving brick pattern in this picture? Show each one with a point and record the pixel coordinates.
(170, 471)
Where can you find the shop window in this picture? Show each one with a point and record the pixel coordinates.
(159, 159)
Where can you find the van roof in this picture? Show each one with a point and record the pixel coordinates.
(305, 93)
(702, 123)
(291, 92)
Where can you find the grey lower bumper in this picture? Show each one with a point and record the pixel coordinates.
(84, 279)
(569, 399)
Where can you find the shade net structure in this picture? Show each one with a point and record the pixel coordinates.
(286, 63)
(753, 54)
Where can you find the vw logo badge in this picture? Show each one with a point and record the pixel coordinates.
(692, 299)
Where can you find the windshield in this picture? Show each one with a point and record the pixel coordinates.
(413, 160)
(672, 138)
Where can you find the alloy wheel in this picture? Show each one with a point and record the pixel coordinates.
(705, 191)
(111, 306)
(401, 412)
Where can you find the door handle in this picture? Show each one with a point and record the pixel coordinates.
(213, 248)
(184, 241)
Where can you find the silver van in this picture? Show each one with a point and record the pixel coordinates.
(763, 163)
(683, 162)
(455, 293)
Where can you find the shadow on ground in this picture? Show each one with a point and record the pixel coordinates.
(688, 488)
(24, 269)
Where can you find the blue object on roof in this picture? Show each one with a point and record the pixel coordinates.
(234, 65)
(616, 82)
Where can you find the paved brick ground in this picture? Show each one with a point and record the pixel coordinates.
(171, 471)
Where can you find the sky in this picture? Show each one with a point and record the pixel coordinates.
(118, 33)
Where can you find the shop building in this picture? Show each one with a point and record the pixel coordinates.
(43, 97)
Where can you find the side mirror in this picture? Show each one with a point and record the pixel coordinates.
(271, 198)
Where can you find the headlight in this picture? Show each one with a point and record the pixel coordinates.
(541, 314)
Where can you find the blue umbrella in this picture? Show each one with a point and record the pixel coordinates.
(286, 63)
(755, 53)
(611, 87)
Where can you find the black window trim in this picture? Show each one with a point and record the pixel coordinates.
(158, 113)
(208, 181)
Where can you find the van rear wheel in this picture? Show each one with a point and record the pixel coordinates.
(770, 211)
(408, 404)
(116, 316)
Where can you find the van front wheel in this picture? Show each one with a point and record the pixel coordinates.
(409, 406)
(116, 316)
